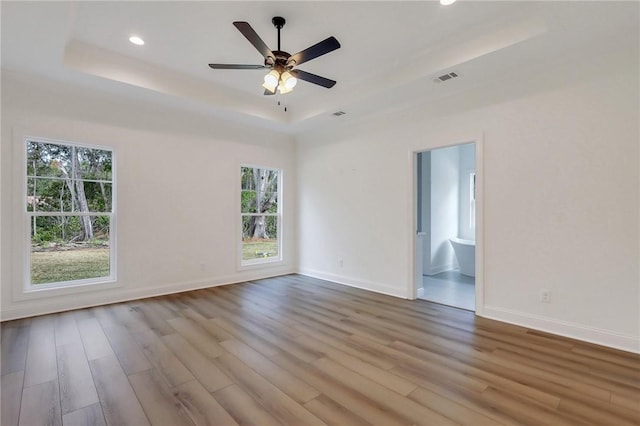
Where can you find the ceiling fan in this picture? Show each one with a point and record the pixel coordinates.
(282, 75)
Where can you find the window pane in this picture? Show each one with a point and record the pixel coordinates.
(272, 227)
(259, 237)
(94, 164)
(48, 195)
(69, 248)
(247, 227)
(32, 202)
(98, 195)
(46, 159)
(248, 202)
(262, 180)
(269, 202)
(248, 182)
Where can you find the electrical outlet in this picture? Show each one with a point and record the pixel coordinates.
(545, 295)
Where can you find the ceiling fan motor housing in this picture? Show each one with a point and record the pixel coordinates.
(281, 61)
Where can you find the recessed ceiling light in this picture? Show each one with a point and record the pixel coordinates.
(136, 40)
(447, 2)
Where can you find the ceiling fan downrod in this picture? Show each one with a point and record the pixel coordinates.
(278, 22)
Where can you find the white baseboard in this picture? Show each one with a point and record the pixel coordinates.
(608, 338)
(432, 270)
(352, 282)
(86, 300)
(420, 292)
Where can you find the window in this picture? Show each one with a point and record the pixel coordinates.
(472, 200)
(70, 214)
(260, 215)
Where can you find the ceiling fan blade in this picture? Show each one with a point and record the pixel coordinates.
(312, 78)
(268, 92)
(325, 46)
(254, 39)
(236, 67)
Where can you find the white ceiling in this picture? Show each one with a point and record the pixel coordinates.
(391, 51)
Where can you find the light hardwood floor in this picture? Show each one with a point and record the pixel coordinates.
(300, 351)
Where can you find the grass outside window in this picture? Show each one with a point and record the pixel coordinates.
(69, 265)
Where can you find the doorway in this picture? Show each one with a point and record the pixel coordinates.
(446, 217)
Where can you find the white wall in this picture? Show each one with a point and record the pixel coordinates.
(350, 208)
(561, 195)
(177, 191)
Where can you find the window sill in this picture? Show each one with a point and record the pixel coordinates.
(41, 291)
(259, 264)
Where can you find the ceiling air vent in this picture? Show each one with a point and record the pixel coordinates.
(445, 77)
(338, 113)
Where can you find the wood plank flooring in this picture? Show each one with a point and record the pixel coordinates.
(300, 351)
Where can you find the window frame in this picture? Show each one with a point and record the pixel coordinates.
(266, 261)
(82, 284)
(472, 200)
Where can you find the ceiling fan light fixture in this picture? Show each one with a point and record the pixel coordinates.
(271, 89)
(288, 80)
(283, 89)
(447, 2)
(271, 81)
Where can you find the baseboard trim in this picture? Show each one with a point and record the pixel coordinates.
(352, 282)
(438, 269)
(59, 304)
(598, 336)
(420, 293)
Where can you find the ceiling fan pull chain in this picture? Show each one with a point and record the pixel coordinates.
(285, 106)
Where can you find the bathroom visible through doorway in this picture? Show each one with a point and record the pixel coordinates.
(446, 222)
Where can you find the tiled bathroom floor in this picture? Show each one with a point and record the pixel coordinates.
(450, 288)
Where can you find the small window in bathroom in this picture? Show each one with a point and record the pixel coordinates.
(472, 200)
